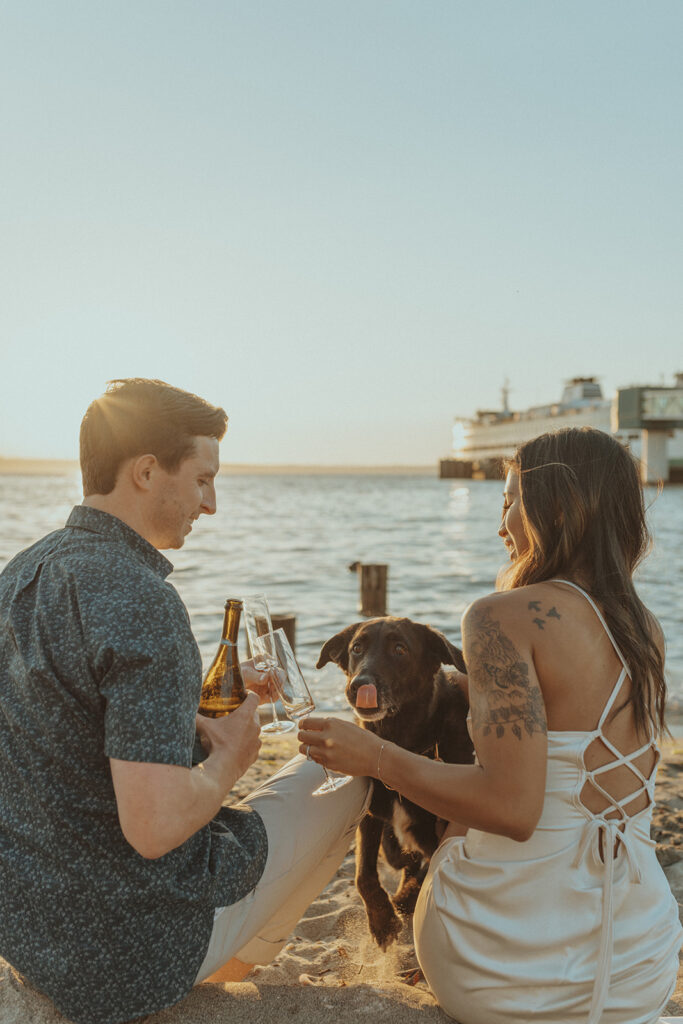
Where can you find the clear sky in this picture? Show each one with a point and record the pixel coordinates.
(345, 221)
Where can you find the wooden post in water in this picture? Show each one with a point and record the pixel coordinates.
(288, 623)
(373, 589)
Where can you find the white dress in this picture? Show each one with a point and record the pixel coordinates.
(509, 933)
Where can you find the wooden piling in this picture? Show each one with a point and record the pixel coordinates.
(373, 588)
(288, 623)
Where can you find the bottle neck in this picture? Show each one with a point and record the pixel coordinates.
(231, 621)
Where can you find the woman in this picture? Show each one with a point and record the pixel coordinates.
(545, 900)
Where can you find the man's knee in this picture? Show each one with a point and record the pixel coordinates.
(287, 799)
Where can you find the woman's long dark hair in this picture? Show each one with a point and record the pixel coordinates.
(584, 517)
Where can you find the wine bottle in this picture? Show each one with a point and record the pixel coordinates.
(223, 689)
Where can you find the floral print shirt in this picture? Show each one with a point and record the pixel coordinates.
(97, 660)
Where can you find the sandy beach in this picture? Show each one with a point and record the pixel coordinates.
(331, 971)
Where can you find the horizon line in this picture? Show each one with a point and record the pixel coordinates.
(57, 467)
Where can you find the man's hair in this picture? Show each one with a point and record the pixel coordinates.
(136, 416)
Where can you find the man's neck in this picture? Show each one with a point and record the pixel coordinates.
(126, 511)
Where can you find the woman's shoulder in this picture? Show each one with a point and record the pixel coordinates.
(535, 614)
(534, 597)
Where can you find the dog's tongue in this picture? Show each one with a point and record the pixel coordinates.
(366, 697)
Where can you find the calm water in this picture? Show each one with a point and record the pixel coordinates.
(293, 537)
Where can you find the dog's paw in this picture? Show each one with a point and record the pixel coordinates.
(406, 897)
(385, 927)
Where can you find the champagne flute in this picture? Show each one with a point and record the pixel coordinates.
(258, 624)
(294, 693)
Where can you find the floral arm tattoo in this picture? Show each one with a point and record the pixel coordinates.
(501, 676)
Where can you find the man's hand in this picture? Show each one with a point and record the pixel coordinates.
(258, 681)
(236, 735)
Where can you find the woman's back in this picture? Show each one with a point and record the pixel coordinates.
(578, 667)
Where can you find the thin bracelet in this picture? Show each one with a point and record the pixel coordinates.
(378, 773)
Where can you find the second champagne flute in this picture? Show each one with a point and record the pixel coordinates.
(259, 626)
(295, 695)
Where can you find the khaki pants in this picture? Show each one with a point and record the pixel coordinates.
(308, 837)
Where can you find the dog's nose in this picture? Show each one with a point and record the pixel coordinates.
(362, 679)
(363, 691)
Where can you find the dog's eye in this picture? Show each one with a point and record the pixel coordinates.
(356, 648)
(400, 649)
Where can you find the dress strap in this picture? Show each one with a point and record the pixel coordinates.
(625, 670)
(610, 701)
(600, 616)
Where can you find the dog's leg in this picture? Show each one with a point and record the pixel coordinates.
(382, 920)
(411, 865)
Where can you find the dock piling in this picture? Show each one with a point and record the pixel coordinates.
(373, 589)
(286, 621)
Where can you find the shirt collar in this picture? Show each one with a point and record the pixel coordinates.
(83, 517)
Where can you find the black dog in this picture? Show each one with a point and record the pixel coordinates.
(399, 691)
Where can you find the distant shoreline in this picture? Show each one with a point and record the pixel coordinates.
(66, 467)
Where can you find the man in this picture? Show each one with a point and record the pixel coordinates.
(123, 879)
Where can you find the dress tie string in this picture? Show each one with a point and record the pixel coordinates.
(606, 832)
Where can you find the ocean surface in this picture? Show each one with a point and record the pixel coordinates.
(293, 537)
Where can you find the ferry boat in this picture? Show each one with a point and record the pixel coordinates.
(481, 443)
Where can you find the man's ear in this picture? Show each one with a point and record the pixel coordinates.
(442, 649)
(142, 470)
(337, 648)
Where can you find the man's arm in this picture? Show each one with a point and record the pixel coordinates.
(162, 805)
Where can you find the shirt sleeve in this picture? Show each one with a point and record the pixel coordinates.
(149, 673)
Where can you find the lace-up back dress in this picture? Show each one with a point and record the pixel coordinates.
(577, 925)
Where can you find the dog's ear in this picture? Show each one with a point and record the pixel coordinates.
(337, 648)
(443, 650)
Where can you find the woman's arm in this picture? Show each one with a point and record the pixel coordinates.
(502, 794)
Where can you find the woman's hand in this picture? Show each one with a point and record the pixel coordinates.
(340, 746)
